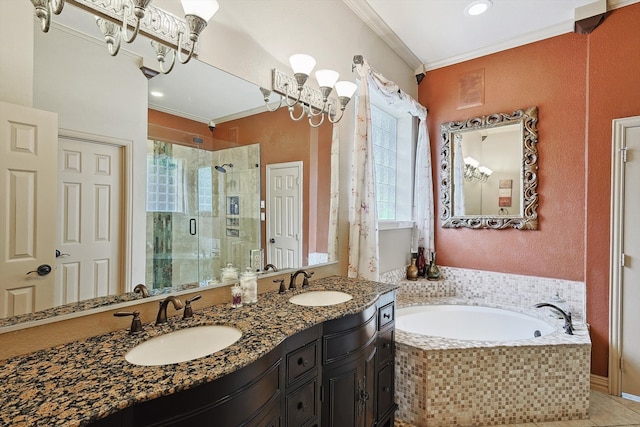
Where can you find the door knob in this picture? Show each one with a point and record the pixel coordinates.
(272, 240)
(42, 270)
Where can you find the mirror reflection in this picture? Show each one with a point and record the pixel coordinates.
(489, 171)
(206, 121)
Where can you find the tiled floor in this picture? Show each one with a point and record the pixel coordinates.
(604, 410)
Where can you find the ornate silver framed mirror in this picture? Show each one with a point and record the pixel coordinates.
(489, 171)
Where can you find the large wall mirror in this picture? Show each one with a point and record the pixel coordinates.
(489, 171)
(209, 205)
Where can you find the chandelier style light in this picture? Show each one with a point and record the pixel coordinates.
(312, 102)
(473, 172)
(115, 17)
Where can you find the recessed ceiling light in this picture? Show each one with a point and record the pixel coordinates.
(156, 93)
(478, 7)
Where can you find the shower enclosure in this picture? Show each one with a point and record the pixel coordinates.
(203, 212)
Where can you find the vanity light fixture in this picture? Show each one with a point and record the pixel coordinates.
(473, 172)
(44, 9)
(167, 31)
(478, 7)
(312, 102)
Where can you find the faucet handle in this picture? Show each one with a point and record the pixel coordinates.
(188, 310)
(282, 289)
(136, 324)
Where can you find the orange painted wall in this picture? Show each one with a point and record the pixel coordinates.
(281, 140)
(579, 83)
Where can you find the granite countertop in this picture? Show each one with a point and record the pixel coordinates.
(80, 382)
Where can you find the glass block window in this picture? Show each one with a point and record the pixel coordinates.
(164, 184)
(385, 136)
(205, 190)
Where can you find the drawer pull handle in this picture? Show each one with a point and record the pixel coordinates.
(303, 362)
(386, 345)
(386, 389)
(302, 407)
(386, 315)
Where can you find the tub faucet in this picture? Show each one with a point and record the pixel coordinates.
(568, 326)
(162, 311)
(305, 282)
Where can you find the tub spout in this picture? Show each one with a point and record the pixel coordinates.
(568, 325)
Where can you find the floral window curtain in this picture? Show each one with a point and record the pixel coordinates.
(363, 239)
(335, 194)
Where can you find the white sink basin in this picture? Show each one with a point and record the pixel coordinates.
(185, 344)
(320, 298)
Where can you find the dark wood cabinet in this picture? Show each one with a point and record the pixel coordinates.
(336, 374)
(358, 371)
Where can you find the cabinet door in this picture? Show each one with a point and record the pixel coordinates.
(340, 385)
(349, 391)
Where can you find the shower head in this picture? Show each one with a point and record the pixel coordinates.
(222, 169)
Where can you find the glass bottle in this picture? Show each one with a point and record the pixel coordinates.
(249, 285)
(236, 296)
(433, 272)
(412, 270)
(421, 262)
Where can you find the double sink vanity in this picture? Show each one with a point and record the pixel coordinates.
(321, 356)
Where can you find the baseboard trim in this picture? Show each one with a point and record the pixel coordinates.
(599, 383)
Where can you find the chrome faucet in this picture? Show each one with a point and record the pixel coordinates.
(162, 311)
(568, 325)
(305, 281)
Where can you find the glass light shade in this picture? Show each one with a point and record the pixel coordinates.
(346, 89)
(327, 78)
(205, 9)
(471, 162)
(301, 63)
(485, 170)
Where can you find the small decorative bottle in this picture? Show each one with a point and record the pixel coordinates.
(433, 272)
(412, 270)
(236, 296)
(421, 262)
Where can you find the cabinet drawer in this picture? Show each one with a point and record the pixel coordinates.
(386, 315)
(301, 361)
(339, 345)
(302, 405)
(385, 346)
(385, 388)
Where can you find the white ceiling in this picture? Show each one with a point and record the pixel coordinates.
(437, 33)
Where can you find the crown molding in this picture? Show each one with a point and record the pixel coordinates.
(369, 16)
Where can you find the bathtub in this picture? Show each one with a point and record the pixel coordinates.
(469, 322)
(471, 365)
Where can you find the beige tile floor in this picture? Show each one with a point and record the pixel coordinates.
(604, 411)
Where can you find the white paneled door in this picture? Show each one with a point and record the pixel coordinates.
(284, 214)
(630, 361)
(90, 217)
(28, 149)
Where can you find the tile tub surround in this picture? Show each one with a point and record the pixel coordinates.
(444, 382)
(494, 289)
(73, 384)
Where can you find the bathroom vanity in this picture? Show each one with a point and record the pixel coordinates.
(293, 366)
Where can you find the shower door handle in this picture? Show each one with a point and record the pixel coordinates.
(193, 227)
